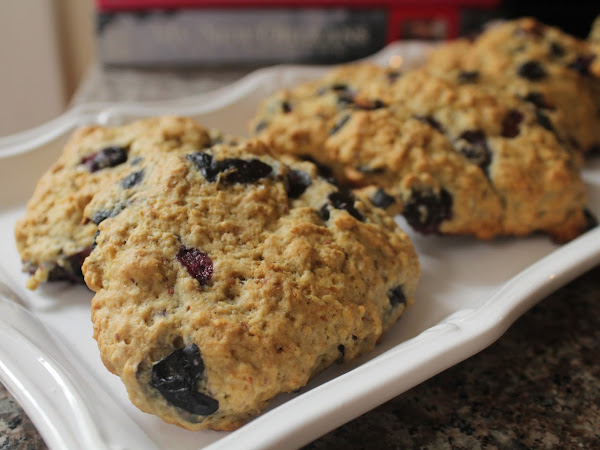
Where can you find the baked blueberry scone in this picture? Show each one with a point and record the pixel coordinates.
(557, 73)
(452, 157)
(51, 238)
(226, 276)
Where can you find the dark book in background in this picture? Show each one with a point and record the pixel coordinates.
(234, 32)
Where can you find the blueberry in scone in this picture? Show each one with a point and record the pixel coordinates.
(558, 73)
(229, 275)
(51, 238)
(453, 157)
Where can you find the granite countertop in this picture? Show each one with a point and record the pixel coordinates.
(538, 386)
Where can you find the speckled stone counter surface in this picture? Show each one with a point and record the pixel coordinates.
(538, 386)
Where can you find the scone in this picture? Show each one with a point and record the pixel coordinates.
(51, 238)
(227, 276)
(557, 73)
(452, 157)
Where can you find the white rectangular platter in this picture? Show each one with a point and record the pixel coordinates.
(469, 294)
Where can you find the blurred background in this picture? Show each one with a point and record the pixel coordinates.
(49, 47)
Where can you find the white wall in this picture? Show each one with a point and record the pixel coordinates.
(32, 88)
(76, 39)
(46, 47)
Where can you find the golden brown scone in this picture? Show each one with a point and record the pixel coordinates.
(557, 73)
(452, 157)
(227, 276)
(51, 238)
